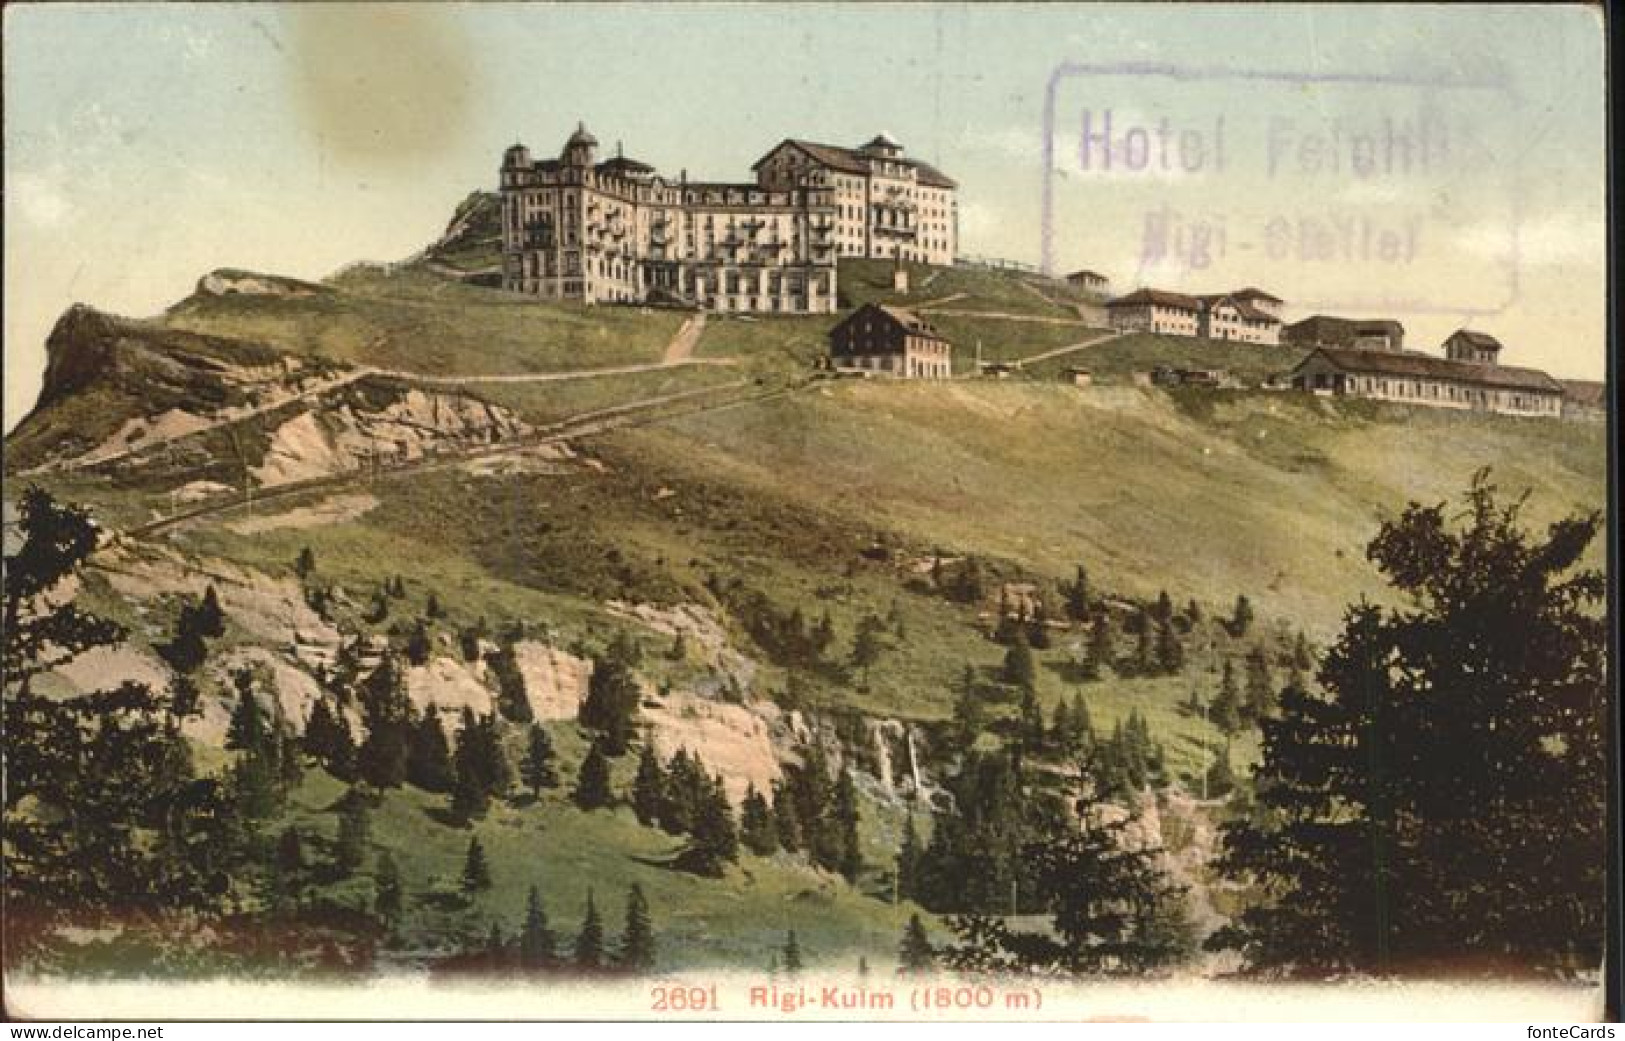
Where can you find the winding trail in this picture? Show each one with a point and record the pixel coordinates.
(1068, 349)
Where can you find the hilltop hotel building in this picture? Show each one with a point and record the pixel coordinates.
(574, 228)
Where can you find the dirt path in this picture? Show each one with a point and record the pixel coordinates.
(1007, 317)
(681, 347)
(93, 458)
(1068, 349)
(585, 424)
(547, 377)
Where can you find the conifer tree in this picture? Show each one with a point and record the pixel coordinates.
(355, 830)
(637, 950)
(1078, 596)
(513, 699)
(1019, 669)
(715, 840)
(1225, 712)
(428, 757)
(908, 862)
(389, 894)
(210, 620)
(382, 758)
(592, 783)
(538, 947)
(846, 817)
(756, 825)
(247, 730)
(418, 644)
(1241, 618)
(304, 564)
(786, 820)
(589, 945)
(1164, 610)
(1302, 658)
(1101, 646)
(1258, 699)
(969, 719)
(792, 954)
(1030, 723)
(915, 955)
(476, 869)
(648, 788)
(537, 769)
(432, 608)
(867, 643)
(321, 732)
(341, 763)
(611, 704)
(1170, 652)
(1220, 779)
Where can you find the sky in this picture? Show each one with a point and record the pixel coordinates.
(1443, 165)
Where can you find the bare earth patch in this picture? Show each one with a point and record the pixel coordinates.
(730, 739)
(335, 510)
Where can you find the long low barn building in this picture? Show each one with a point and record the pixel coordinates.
(1422, 379)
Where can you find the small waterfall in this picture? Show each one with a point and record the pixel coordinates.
(913, 758)
(877, 733)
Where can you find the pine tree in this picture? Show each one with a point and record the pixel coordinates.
(355, 830)
(1078, 596)
(969, 719)
(476, 869)
(1241, 618)
(867, 644)
(305, 564)
(537, 769)
(611, 704)
(685, 787)
(915, 955)
(1019, 669)
(1225, 712)
(792, 954)
(1450, 757)
(1164, 610)
(382, 758)
(432, 608)
(1259, 698)
(1302, 658)
(1220, 779)
(341, 763)
(1170, 652)
(513, 699)
(756, 825)
(321, 732)
(1030, 723)
(210, 620)
(715, 841)
(908, 862)
(648, 788)
(538, 947)
(592, 783)
(786, 821)
(247, 730)
(418, 644)
(428, 757)
(589, 945)
(1102, 646)
(637, 951)
(846, 817)
(389, 894)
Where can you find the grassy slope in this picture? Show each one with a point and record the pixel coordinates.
(420, 323)
(738, 921)
(870, 281)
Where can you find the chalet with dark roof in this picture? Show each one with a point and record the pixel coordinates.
(1368, 334)
(888, 205)
(1093, 281)
(886, 340)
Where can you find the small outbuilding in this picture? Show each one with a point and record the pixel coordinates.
(879, 338)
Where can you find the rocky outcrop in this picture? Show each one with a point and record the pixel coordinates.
(232, 282)
(373, 425)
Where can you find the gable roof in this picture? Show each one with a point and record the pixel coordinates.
(1254, 293)
(1476, 338)
(1086, 274)
(1590, 393)
(852, 160)
(909, 322)
(1414, 365)
(1337, 332)
(1157, 298)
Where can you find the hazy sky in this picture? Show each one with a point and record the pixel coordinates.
(148, 144)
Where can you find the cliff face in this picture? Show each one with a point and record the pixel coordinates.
(103, 371)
